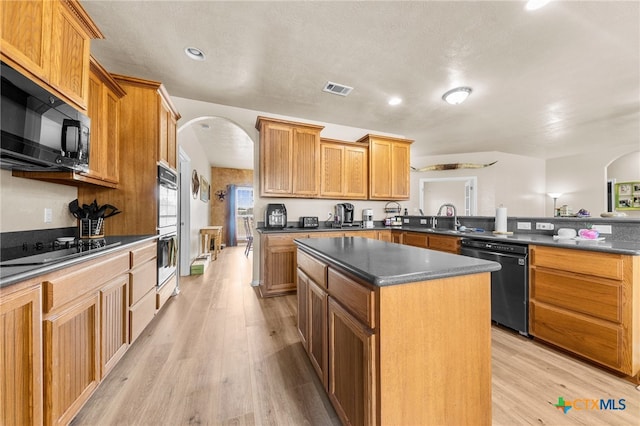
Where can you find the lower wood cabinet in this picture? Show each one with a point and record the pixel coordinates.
(352, 367)
(587, 303)
(21, 356)
(444, 243)
(61, 333)
(385, 358)
(71, 358)
(114, 318)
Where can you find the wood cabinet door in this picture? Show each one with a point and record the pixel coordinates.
(305, 162)
(397, 237)
(332, 166)
(380, 169)
(172, 147)
(111, 145)
(352, 371)
(385, 236)
(415, 239)
(99, 156)
(275, 159)
(303, 311)
(356, 170)
(21, 358)
(318, 331)
(70, 49)
(278, 265)
(71, 359)
(400, 168)
(444, 243)
(114, 326)
(25, 34)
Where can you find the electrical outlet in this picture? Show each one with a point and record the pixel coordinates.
(524, 225)
(48, 215)
(603, 229)
(423, 221)
(544, 225)
(406, 220)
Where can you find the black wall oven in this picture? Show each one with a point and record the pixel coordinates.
(167, 224)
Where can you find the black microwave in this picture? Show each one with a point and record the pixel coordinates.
(39, 130)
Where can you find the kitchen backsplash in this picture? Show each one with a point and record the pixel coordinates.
(24, 202)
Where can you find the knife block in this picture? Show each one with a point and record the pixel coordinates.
(91, 228)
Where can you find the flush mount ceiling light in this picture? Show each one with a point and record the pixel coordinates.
(536, 4)
(457, 96)
(394, 101)
(194, 53)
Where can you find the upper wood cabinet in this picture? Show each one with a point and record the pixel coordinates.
(143, 133)
(389, 166)
(343, 170)
(104, 99)
(289, 158)
(49, 41)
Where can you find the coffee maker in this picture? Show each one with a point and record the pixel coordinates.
(367, 218)
(275, 216)
(343, 214)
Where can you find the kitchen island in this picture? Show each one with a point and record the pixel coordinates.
(397, 334)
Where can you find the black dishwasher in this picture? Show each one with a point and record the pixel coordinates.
(509, 285)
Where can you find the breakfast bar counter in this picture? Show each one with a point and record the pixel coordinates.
(397, 334)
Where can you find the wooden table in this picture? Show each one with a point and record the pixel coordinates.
(207, 235)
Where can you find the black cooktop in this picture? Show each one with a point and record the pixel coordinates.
(41, 253)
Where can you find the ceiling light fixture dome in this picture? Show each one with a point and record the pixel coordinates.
(194, 53)
(395, 101)
(457, 96)
(536, 4)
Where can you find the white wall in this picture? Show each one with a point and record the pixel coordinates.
(515, 181)
(23, 202)
(199, 209)
(582, 179)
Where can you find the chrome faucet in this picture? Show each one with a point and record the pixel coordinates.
(455, 214)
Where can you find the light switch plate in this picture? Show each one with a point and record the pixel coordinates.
(48, 215)
(406, 220)
(524, 225)
(423, 221)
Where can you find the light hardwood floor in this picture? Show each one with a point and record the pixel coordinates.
(218, 354)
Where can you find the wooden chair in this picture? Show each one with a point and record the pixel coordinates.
(248, 228)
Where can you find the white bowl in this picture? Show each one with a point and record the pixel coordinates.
(567, 233)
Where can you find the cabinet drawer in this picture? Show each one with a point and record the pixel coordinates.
(357, 298)
(64, 288)
(283, 240)
(415, 239)
(315, 269)
(597, 340)
(141, 254)
(143, 279)
(448, 244)
(165, 292)
(606, 265)
(574, 292)
(141, 314)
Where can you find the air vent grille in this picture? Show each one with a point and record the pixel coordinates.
(337, 89)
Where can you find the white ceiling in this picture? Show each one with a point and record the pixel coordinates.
(555, 82)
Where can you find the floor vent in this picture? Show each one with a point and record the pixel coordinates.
(337, 89)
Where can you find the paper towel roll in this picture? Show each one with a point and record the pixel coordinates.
(501, 219)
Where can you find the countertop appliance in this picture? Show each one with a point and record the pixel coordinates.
(308, 222)
(343, 214)
(509, 285)
(39, 130)
(275, 216)
(367, 218)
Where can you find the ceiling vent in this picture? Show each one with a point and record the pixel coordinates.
(337, 89)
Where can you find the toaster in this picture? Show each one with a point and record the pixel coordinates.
(308, 222)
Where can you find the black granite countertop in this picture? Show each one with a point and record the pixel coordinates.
(14, 274)
(382, 263)
(608, 245)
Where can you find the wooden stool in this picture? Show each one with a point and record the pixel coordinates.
(208, 235)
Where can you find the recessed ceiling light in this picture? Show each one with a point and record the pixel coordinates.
(194, 53)
(395, 101)
(536, 4)
(457, 96)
